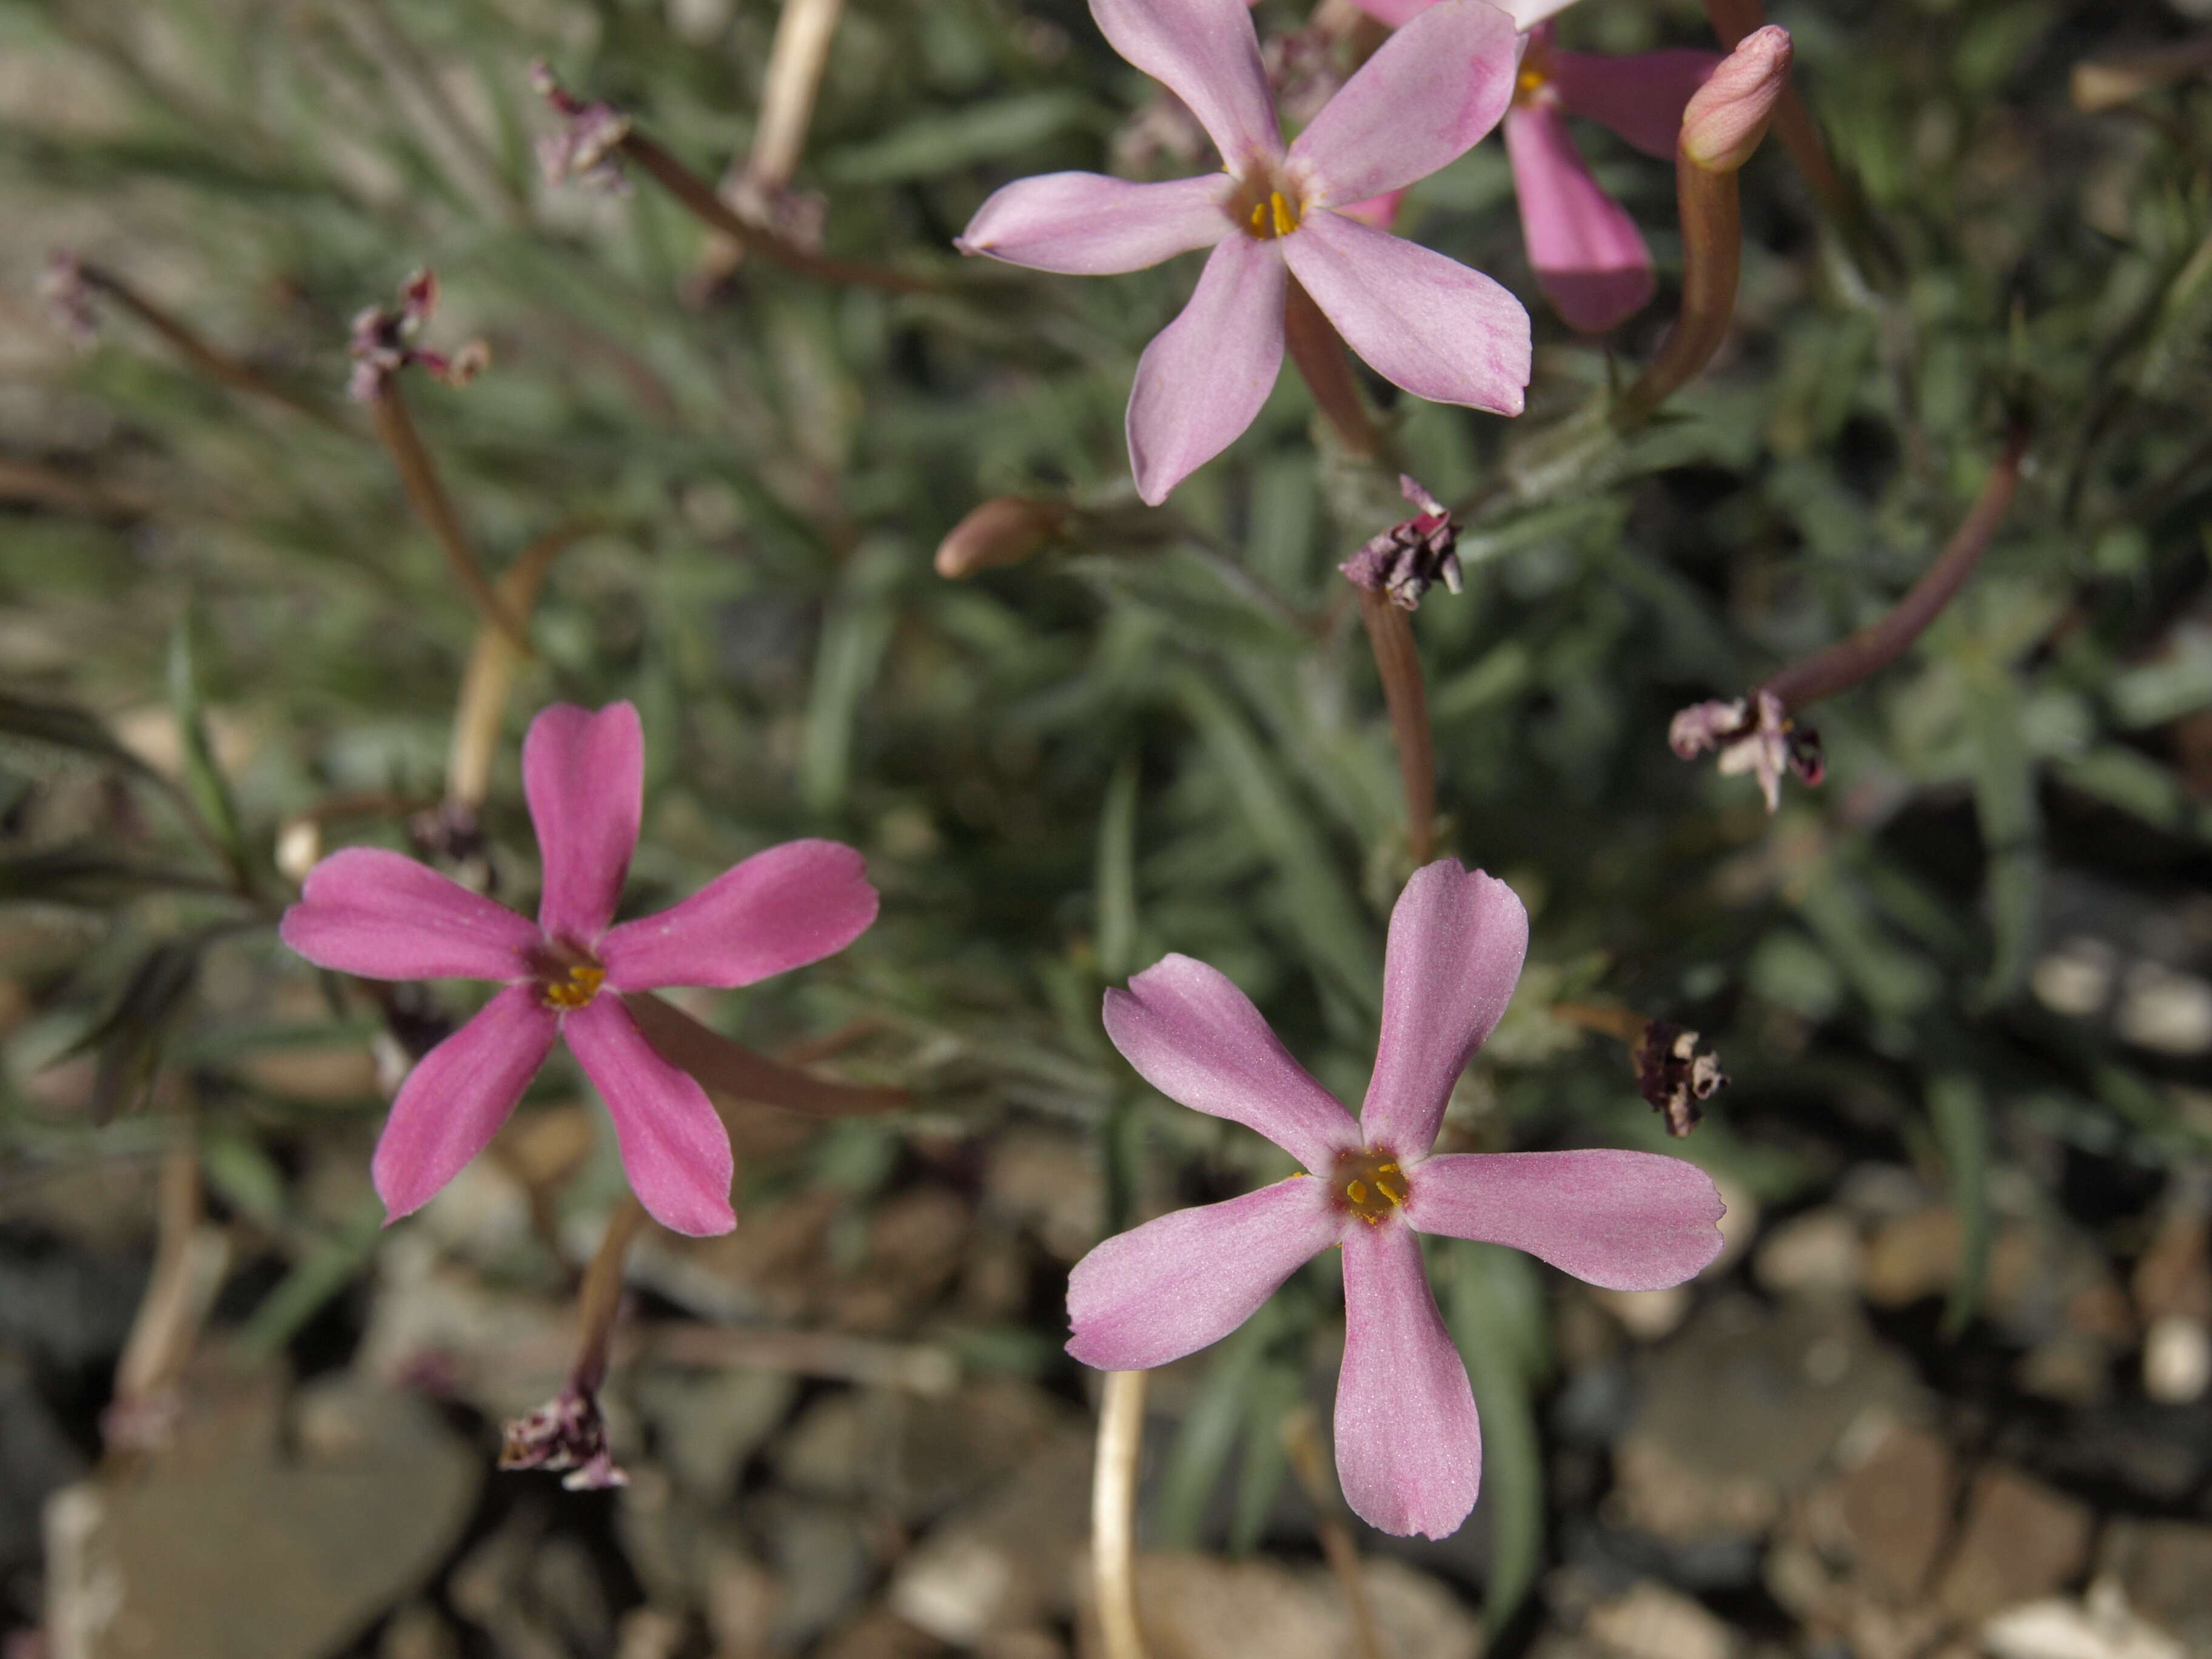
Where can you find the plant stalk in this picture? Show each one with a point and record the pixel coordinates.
(418, 474)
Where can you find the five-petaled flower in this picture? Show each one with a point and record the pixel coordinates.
(1588, 256)
(1275, 214)
(1408, 1448)
(375, 914)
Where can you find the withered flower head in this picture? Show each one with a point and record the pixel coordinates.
(1676, 1075)
(588, 147)
(383, 343)
(566, 1432)
(67, 295)
(1755, 735)
(1412, 555)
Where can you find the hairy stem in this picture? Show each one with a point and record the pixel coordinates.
(1881, 641)
(1390, 632)
(419, 475)
(1712, 259)
(1319, 351)
(1114, 1513)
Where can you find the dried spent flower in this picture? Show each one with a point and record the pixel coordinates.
(588, 146)
(1766, 743)
(1675, 1074)
(66, 291)
(383, 343)
(566, 1432)
(1412, 555)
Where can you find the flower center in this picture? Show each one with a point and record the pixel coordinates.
(568, 979)
(1369, 1183)
(1535, 74)
(1265, 207)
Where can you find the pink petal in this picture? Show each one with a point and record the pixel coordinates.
(1196, 1038)
(1587, 253)
(1628, 1221)
(1525, 14)
(458, 1094)
(1456, 940)
(1640, 97)
(1380, 211)
(1429, 93)
(584, 774)
(780, 909)
(1422, 321)
(1206, 52)
(372, 912)
(1088, 225)
(1408, 1446)
(674, 1148)
(1206, 374)
(1170, 1287)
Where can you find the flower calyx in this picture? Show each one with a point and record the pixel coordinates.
(383, 343)
(566, 1432)
(1676, 1075)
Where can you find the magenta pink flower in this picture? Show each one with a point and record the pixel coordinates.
(372, 912)
(1589, 258)
(1408, 1448)
(1424, 322)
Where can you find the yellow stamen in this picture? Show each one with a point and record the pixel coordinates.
(1532, 79)
(1259, 219)
(1286, 219)
(1370, 1184)
(1356, 1191)
(580, 985)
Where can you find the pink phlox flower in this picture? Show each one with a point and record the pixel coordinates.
(1422, 321)
(376, 914)
(1589, 258)
(1408, 1447)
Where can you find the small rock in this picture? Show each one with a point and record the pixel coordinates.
(1047, 1183)
(1196, 1606)
(1650, 1621)
(2100, 1628)
(1647, 1316)
(1817, 1252)
(707, 1424)
(1003, 1561)
(2021, 1541)
(1896, 1508)
(2163, 1568)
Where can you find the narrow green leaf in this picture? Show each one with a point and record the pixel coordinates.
(1498, 1321)
(1209, 1432)
(58, 726)
(1960, 1118)
(129, 1037)
(327, 1268)
(934, 144)
(853, 636)
(1117, 874)
(203, 779)
(2011, 825)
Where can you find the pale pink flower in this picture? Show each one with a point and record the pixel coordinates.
(1408, 1448)
(1424, 322)
(375, 914)
(1589, 258)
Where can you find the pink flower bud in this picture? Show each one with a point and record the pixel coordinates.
(1728, 116)
(1004, 529)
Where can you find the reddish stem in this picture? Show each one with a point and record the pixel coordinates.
(1390, 632)
(1881, 642)
(1712, 259)
(1318, 350)
(419, 476)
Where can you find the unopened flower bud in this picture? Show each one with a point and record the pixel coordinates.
(1728, 116)
(587, 149)
(1676, 1075)
(1004, 529)
(1411, 557)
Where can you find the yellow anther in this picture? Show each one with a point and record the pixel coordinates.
(1531, 79)
(1356, 1191)
(1370, 1184)
(1286, 218)
(1259, 218)
(576, 988)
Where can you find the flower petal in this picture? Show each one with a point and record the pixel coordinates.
(458, 1094)
(372, 912)
(674, 1148)
(1588, 254)
(1171, 1286)
(1408, 1445)
(1207, 53)
(1206, 374)
(1525, 14)
(1628, 1221)
(1456, 940)
(1640, 97)
(584, 774)
(1429, 93)
(1088, 225)
(1196, 1038)
(1422, 321)
(779, 909)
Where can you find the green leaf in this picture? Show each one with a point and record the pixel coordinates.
(327, 1267)
(203, 781)
(935, 144)
(2011, 825)
(80, 875)
(1498, 1320)
(1209, 1432)
(1961, 1121)
(58, 726)
(131, 1036)
(853, 636)
(1117, 874)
